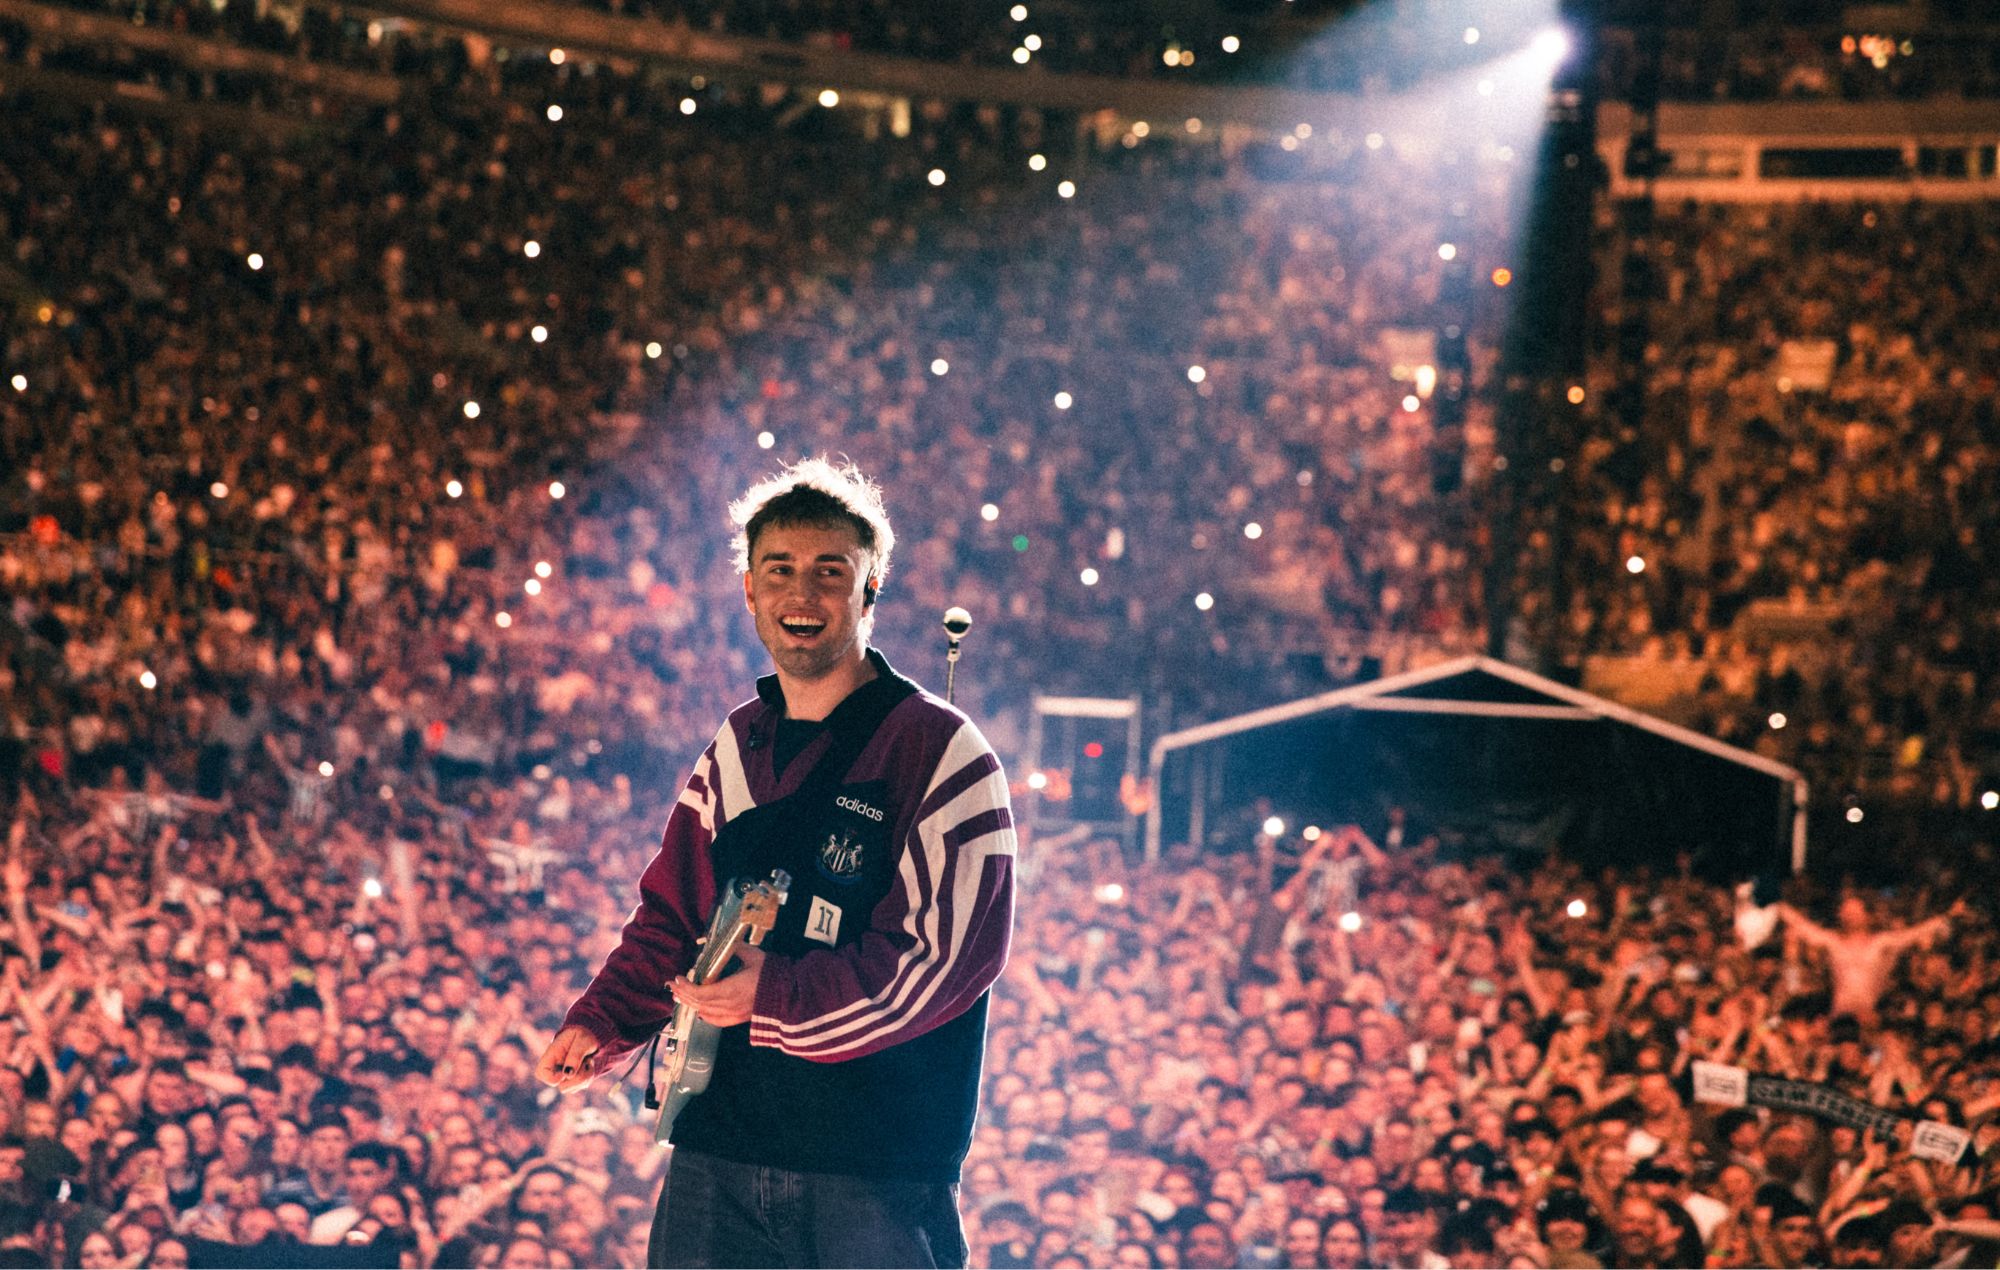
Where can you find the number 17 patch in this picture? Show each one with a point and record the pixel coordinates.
(823, 922)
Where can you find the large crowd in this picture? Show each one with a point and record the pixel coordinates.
(360, 530)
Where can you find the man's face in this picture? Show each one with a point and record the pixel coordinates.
(1208, 1245)
(1405, 1232)
(805, 589)
(1301, 1242)
(1638, 1227)
(1794, 1237)
(542, 1193)
(327, 1147)
(365, 1180)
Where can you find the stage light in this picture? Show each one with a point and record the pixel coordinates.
(1502, 276)
(452, 489)
(472, 410)
(1019, 13)
(939, 366)
(543, 568)
(1066, 190)
(1411, 403)
(1303, 132)
(989, 513)
(1193, 126)
(829, 98)
(1990, 799)
(1253, 531)
(148, 680)
(1577, 908)
(1088, 577)
(1350, 922)
(1037, 162)
(372, 888)
(1196, 374)
(1310, 833)
(1447, 251)
(1853, 815)
(1204, 601)
(255, 260)
(935, 177)
(766, 440)
(556, 57)
(1552, 46)
(1274, 826)
(1109, 893)
(1230, 44)
(1288, 143)
(1064, 401)
(557, 489)
(1635, 564)
(539, 333)
(1576, 394)
(687, 105)
(1038, 780)
(503, 619)
(1033, 43)
(1142, 129)
(555, 114)
(20, 383)
(1171, 57)
(1777, 720)
(533, 586)
(1021, 56)
(1472, 35)
(531, 249)
(219, 490)
(653, 350)
(325, 768)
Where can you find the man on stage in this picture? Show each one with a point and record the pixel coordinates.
(847, 1079)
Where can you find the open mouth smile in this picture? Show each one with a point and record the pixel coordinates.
(801, 627)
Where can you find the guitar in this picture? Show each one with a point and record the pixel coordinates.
(744, 915)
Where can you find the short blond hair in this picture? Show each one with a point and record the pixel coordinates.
(816, 491)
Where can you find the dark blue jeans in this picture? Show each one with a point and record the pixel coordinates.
(716, 1212)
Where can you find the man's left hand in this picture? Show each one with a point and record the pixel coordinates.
(727, 1001)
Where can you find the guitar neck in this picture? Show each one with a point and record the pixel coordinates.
(715, 954)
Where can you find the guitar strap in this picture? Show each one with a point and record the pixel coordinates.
(850, 728)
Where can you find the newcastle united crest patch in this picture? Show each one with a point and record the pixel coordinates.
(840, 858)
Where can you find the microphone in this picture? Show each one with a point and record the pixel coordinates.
(956, 623)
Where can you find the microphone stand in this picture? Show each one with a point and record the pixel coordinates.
(956, 623)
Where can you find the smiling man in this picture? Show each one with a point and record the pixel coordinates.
(847, 1079)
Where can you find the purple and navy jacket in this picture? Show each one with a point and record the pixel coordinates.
(862, 1054)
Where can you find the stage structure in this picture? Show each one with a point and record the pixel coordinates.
(1085, 752)
(1498, 753)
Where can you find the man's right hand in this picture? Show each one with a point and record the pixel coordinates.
(570, 1060)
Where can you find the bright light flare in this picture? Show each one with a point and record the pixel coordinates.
(653, 350)
(1109, 893)
(1253, 531)
(1196, 374)
(255, 260)
(1274, 826)
(20, 383)
(1552, 46)
(557, 57)
(325, 768)
(452, 489)
(1777, 720)
(1032, 43)
(765, 440)
(1635, 564)
(218, 490)
(1577, 908)
(1038, 780)
(472, 410)
(1990, 799)
(1036, 162)
(989, 513)
(1447, 251)
(1853, 815)
(1350, 922)
(1064, 401)
(543, 568)
(533, 586)
(372, 888)
(936, 177)
(531, 249)
(1088, 577)
(1204, 601)
(1230, 44)
(1019, 13)
(940, 367)
(503, 619)
(539, 334)
(687, 105)
(148, 680)
(555, 113)
(829, 98)
(1066, 190)
(557, 489)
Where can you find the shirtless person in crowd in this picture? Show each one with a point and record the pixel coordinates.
(1860, 958)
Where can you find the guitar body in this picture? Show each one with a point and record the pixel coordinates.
(744, 914)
